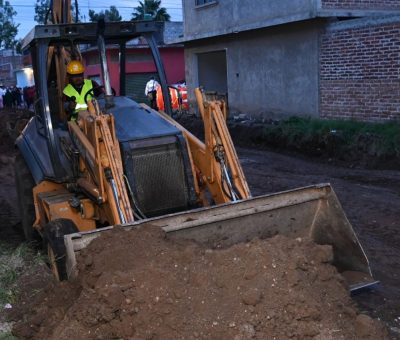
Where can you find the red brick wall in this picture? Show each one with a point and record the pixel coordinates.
(8, 65)
(360, 73)
(361, 4)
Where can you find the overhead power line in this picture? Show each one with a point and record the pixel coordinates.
(99, 7)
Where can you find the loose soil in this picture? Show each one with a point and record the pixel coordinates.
(140, 284)
(8, 196)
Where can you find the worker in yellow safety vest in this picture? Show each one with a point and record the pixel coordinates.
(78, 87)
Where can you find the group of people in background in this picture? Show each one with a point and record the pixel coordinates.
(16, 97)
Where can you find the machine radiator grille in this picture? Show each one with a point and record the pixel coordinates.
(157, 178)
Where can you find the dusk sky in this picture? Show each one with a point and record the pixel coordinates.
(26, 11)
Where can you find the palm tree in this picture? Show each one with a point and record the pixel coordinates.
(152, 9)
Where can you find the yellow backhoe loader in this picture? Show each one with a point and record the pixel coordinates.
(122, 163)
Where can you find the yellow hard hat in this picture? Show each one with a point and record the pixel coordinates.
(75, 67)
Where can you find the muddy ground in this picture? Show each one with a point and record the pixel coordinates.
(370, 198)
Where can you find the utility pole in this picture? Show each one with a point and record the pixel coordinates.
(76, 11)
(145, 15)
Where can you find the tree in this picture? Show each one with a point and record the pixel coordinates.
(8, 30)
(152, 9)
(41, 11)
(109, 15)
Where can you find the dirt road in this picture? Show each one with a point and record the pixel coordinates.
(371, 200)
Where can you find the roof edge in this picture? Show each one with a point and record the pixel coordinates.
(248, 27)
(371, 15)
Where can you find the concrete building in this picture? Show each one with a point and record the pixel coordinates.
(24, 77)
(321, 58)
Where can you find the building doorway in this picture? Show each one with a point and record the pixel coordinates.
(212, 71)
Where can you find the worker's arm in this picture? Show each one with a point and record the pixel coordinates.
(69, 105)
(97, 89)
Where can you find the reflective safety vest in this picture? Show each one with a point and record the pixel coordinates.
(70, 91)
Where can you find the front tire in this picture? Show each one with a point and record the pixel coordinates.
(53, 235)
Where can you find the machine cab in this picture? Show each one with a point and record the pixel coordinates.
(51, 47)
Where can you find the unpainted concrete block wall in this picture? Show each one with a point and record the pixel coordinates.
(271, 72)
(361, 4)
(360, 73)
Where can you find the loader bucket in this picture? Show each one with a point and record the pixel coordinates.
(313, 212)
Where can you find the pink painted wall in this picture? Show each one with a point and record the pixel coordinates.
(172, 57)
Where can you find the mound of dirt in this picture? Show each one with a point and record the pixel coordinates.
(11, 122)
(366, 150)
(139, 284)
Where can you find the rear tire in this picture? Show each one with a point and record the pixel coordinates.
(25, 184)
(53, 235)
